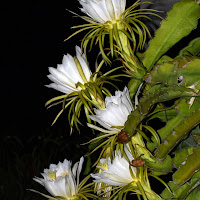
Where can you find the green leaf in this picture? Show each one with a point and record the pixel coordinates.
(187, 168)
(194, 195)
(164, 59)
(166, 130)
(173, 118)
(181, 156)
(181, 71)
(133, 86)
(164, 166)
(193, 48)
(178, 134)
(164, 114)
(148, 101)
(180, 21)
(162, 95)
(179, 192)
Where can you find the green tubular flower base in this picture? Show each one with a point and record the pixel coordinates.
(147, 193)
(140, 149)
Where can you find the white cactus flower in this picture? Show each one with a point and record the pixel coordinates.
(117, 172)
(67, 75)
(103, 10)
(116, 112)
(62, 180)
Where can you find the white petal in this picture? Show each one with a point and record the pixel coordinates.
(119, 7)
(117, 110)
(71, 185)
(112, 132)
(60, 76)
(53, 79)
(79, 168)
(127, 100)
(112, 115)
(107, 178)
(74, 169)
(96, 10)
(59, 88)
(63, 168)
(67, 165)
(101, 122)
(110, 9)
(89, 9)
(57, 187)
(70, 69)
(116, 173)
(83, 62)
(39, 180)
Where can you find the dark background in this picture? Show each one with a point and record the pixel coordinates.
(33, 35)
(32, 40)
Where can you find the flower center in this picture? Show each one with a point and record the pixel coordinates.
(52, 175)
(63, 174)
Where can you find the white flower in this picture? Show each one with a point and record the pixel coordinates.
(116, 112)
(61, 180)
(67, 75)
(103, 10)
(117, 172)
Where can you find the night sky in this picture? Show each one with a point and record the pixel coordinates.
(33, 40)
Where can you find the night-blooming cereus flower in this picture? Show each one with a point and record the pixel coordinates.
(109, 17)
(103, 10)
(118, 172)
(62, 180)
(68, 74)
(74, 78)
(115, 114)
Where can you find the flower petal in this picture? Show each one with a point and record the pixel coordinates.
(60, 76)
(89, 9)
(116, 173)
(70, 69)
(117, 109)
(119, 7)
(103, 10)
(60, 88)
(79, 169)
(57, 187)
(84, 63)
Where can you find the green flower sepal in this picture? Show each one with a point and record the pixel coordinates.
(121, 25)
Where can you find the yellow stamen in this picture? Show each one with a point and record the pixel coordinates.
(52, 175)
(64, 174)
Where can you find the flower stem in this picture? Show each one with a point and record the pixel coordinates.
(141, 190)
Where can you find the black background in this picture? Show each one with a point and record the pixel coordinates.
(33, 35)
(32, 40)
